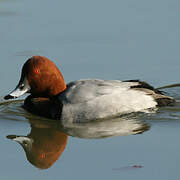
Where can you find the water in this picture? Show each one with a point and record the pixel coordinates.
(91, 39)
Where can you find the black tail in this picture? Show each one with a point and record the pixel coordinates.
(159, 96)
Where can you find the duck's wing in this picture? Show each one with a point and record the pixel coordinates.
(94, 99)
(90, 89)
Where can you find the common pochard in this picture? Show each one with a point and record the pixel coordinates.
(82, 100)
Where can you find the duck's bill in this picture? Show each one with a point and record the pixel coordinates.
(22, 88)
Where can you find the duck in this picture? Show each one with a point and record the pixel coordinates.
(82, 100)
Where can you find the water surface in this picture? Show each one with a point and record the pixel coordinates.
(91, 39)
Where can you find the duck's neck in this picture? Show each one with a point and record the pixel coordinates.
(57, 85)
(59, 89)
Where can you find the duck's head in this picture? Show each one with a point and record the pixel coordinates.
(40, 77)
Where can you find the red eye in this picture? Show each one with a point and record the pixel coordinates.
(36, 71)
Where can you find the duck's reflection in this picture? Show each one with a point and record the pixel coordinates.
(47, 139)
(43, 145)
(118, 126)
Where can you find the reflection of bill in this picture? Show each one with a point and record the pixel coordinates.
(43, 146)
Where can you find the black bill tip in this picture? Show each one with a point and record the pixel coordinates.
(9, 97)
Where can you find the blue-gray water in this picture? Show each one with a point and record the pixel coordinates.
(93, 39)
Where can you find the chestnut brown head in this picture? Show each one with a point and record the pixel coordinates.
(40, 77)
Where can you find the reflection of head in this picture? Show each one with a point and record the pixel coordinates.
(43, 146)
